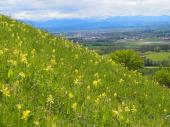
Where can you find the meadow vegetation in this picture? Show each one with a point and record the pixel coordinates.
(47, 81)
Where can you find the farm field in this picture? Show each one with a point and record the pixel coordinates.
(48, 81)
(158, 56)
(139, 45)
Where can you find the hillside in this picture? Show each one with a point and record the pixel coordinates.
(49, 81)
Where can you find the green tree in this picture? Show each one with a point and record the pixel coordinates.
(163, 77)
(129, 58)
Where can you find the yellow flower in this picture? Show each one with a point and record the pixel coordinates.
(5, 91)
(104, 94)
(53, 50)
(53, 62)
(97, 100)
(115, 113)
(76, 82)
(96, 82)
(134, 109)
(88, 87)
(22, 75)
(36, 122)
(115, 94)
(76, 71)
(48, 68)
(23, 58)
(121, 81)
(19, 106)
(165, 110)
(25, 115)
(127, 109)
(33, 51)
(88, 97)
(96, 75)
(74, 106)
(1, 52)
(12, 62)
(50, 99)
(16, 52)
(71, 95)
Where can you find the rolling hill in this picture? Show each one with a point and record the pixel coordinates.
(47, 81)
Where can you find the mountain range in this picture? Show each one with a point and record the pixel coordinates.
(117, 22)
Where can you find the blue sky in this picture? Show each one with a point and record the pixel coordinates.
(50, 9)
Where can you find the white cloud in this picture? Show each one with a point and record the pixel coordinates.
(48, 9)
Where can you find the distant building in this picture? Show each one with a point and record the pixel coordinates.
(142, 55)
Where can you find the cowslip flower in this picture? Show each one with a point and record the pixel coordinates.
(74, 106)
(5, 91)
(133, 108)
(19, 106)
(96, 82)
(71, 95)
(50, 99)
(22, 75)
(23, 58)
(26, 115)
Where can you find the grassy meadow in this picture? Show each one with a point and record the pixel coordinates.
(47, 81)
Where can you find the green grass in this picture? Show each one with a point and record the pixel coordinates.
(46, 81)
(158, 56)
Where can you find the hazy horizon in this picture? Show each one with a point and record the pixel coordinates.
(38, 10)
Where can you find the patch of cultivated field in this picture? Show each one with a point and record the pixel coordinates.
(158, 56)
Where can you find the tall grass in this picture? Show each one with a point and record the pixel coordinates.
(46, 81)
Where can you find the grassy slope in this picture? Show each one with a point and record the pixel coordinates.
(80, 89)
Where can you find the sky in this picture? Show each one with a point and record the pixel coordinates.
(66, 9)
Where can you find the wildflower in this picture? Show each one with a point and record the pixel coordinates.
(165, 110)
(104, 94)
(19, 106)
(48, 68)
(96, 62)
(96, 82)
(33, 51)
(96, 75)
(5, 91)
(133, 108)
(115, 113)
(23, 58)
(127, 109)
(121, 81)
(22, 75)
(1, 52)
(97, 100)
(76, 56)
(36, 122)
(26, 115)
(159, 105)
(76, 82)
(76, 71)
(88, 97)
(71, 95)
(16, 52)
(88, 87)
(115, 94)
(74, 106)
(50, 99)
(12, 62)
(120, 109)
(5, 49)
(53, 50)
(53, 62)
